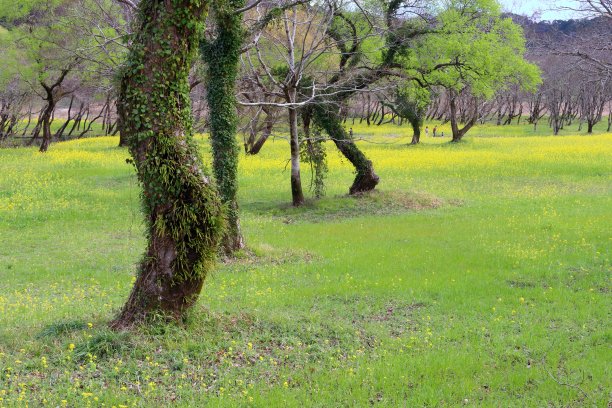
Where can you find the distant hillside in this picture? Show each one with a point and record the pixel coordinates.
(562, 30)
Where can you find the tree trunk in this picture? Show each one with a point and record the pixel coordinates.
(60, 131)
(46, 123)
(183, 211)
(266, 132)
(366, 179)
(459, 133)
(77, 119)
(252, 145)
(416, 132)
(222, 57)
(27, 126)
(36, 130)
(296, 182)
(53, 96)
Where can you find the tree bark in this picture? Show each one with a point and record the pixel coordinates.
(60, 132)
(52, 97)
(459, 133)
(416, 135)
(123, 140)
(296, 182)
(46, 124)
(183, 211)
(253, 146)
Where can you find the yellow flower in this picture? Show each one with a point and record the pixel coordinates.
(71, 346)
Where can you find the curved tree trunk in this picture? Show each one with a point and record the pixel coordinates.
(221, 56)
(46, 125)
(366, 179)
(182, 209)
(459, 133)
(254, 146)
(53, 96)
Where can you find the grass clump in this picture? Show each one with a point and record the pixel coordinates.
(101, 345)
(60, 328)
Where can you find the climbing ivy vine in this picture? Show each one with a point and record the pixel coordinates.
(183, 212)
(221, 55)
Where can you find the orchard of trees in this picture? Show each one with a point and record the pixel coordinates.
(158, 71)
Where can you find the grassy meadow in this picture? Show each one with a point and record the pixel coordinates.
(477, 275)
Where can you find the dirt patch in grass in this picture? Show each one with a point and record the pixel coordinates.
(520, 284)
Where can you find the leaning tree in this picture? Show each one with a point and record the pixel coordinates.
(183, 211)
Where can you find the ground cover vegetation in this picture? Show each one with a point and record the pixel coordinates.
(488, 285)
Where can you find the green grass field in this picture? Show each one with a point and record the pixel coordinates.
(478, 275)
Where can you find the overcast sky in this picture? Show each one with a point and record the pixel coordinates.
(546, 8)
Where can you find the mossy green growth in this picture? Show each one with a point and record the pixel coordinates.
(221, 56)
(179, 200)
(313, 152)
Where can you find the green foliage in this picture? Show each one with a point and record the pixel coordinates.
(11, 10)
(313, 152)
(411, 102)
(221, 56)
(42, 38)
(472, 47)
(15, 64)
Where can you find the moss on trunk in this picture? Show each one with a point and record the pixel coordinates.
(221, 56)
(182, 209)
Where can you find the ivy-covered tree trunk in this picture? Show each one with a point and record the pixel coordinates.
(221, 56)
(183, 212)
(365, 179)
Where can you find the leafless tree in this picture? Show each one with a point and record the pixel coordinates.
(278, 65)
